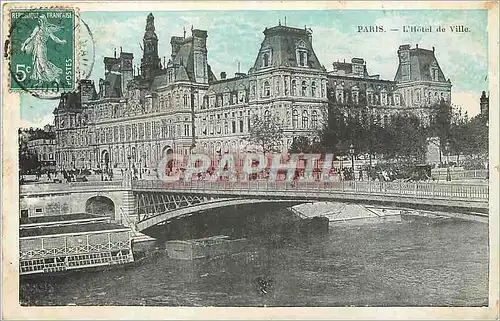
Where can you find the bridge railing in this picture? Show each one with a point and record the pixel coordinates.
(431, 190)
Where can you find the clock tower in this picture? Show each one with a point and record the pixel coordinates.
(150, 61)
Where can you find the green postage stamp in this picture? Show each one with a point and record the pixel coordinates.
(42, 51)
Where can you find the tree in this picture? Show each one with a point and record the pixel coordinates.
(407, 138)
(266, 132)
(303, 144)
(441, 125)
(28, 161)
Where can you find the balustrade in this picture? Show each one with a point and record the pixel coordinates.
(429, 190)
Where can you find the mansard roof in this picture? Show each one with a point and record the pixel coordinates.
(233, 84)
(113, 76)
(282, 42)
(70, 101)
(421, 61)
(185, 59)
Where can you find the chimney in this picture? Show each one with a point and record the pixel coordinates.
(223, 75)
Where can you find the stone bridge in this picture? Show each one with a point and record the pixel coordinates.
(147, 203)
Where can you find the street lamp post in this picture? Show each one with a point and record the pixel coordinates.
(351, 151)
(447, 149)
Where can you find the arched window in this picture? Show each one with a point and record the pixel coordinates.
(295, 118)
(265, 60)
(313, 89)
(294, 87)
(314, 119)
(267, 89)
(134, 155)
(267, 115)
(305, 119)
(304, 88)
(169, 101)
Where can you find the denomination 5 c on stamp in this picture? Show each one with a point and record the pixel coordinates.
(42, 55)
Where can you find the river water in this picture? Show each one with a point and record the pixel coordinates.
(389, 264)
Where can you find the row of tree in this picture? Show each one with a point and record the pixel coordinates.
(403, 138)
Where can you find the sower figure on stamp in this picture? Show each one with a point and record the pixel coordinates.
(43, 69)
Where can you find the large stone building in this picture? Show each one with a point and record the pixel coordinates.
(42, 143)
(135, 117)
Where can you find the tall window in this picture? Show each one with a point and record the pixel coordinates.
(265, 59)
(185, 100)
(305, 119)
(204, 130)
(267, 89)
(266, 116)
(241, 95)
(313, 89)
(294, 87)
(303, 58)
(304, 88)
(295, 118)
(314, 119)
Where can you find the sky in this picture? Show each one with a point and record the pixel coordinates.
(235, 36)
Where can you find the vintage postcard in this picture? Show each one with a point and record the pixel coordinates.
(250, 160)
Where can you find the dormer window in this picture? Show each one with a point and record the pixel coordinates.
(434, 71)
(265, 60)
(435, 74)
(303, 58)
(241, 94)
(301, 53)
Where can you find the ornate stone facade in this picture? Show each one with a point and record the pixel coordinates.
(136, 116)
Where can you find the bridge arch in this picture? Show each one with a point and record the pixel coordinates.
(209, 205)
(100, 205)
